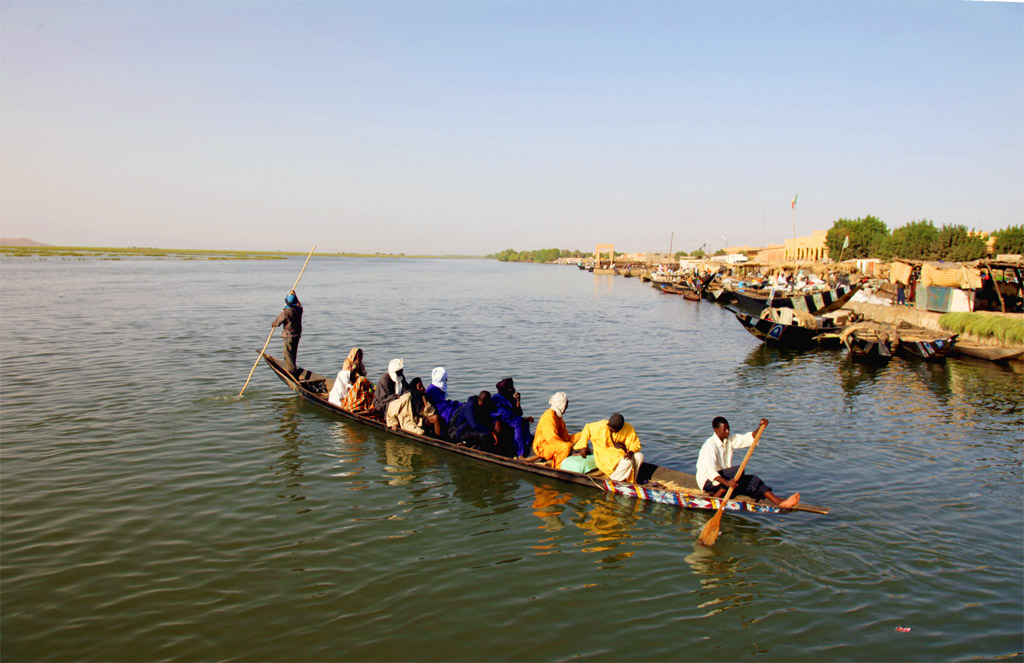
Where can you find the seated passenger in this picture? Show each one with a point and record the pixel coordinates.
(401, 414)
(424, 409)
(616, 447)
(437, 394)
(472, 424)
(350, 370)
(360, 395)
(391, 385)
(515, 436)
(552, 440)
(342, 384)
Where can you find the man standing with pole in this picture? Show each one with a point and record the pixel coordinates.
(290, 319)
(289, 357)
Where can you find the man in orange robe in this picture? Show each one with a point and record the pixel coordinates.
(552, 440)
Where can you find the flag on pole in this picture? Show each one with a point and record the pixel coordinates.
(792, 205)
(846, 242)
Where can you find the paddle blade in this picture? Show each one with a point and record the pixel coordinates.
(709, 534)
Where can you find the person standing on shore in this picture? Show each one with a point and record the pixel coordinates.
(290, 321)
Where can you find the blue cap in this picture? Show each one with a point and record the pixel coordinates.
(291, 300)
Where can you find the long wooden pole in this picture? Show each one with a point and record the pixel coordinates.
(260, 356)
(709, 534)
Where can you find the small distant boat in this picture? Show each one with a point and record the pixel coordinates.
(678, 289)
(815, 303)
(787, 328)
(923, 343)
(869, 342)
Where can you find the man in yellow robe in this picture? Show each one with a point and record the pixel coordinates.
(616, 447)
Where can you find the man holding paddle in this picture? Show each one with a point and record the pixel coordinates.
(716, 473)
(291, 319)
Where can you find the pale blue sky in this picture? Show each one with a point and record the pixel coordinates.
(471, 127)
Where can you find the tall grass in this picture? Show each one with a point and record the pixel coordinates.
(1006, 329)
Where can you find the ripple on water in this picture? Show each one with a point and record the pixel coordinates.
(150, 513)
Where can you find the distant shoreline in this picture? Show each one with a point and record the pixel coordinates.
(116, 253)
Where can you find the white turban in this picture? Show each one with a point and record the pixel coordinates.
(394, 366)
(559, 402)
(439, 378)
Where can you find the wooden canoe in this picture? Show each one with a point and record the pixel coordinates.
(989, 352)
(869, 342)
(924, 344)
(782, 335)
(816, 303)
(654, 483)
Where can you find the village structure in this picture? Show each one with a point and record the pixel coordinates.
(990, 284)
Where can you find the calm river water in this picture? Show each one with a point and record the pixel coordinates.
(150, 514)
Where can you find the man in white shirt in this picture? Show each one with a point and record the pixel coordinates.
(716, 473)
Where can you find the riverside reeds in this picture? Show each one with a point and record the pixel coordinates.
(1008, 330)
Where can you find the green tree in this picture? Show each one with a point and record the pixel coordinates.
(1010, 240)
(680, 254)
(914, 241)
(720, 252)
(868, 238)
(699, 253)
(956, 244)
(545, 255)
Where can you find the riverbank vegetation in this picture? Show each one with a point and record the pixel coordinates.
(869, 237)
(540, 255)
(117, 253)
(1006, 329)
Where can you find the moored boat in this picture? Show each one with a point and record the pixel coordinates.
(869, 342)
(787, 328)
(815, 303)
(655, 483)
(989, 352)
(923, 343)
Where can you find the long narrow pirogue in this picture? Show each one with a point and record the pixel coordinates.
(661, 484)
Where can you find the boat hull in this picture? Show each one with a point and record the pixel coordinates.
(790, 337)
(928, 350)
(312, 389)
(816, 303)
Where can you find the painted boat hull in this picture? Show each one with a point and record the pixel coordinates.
(817, 303)
(790, 337)
(306, 388)
(927, 349)
(868, 350)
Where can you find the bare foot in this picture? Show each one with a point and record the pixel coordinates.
(790, 501)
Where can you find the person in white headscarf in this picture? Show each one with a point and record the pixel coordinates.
(437, 394)
(390, 386)
(342, 384)
(552, 440)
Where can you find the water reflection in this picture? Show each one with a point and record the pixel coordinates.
(351, 444)
(858, 377)
(482, 486)
(608, 521)
(290, 461)
(766, 355)
(549, 505)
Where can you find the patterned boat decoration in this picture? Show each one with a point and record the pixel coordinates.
(816, 303)
(686, 500)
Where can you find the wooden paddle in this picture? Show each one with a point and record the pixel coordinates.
(260, 356)
(709, 534)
